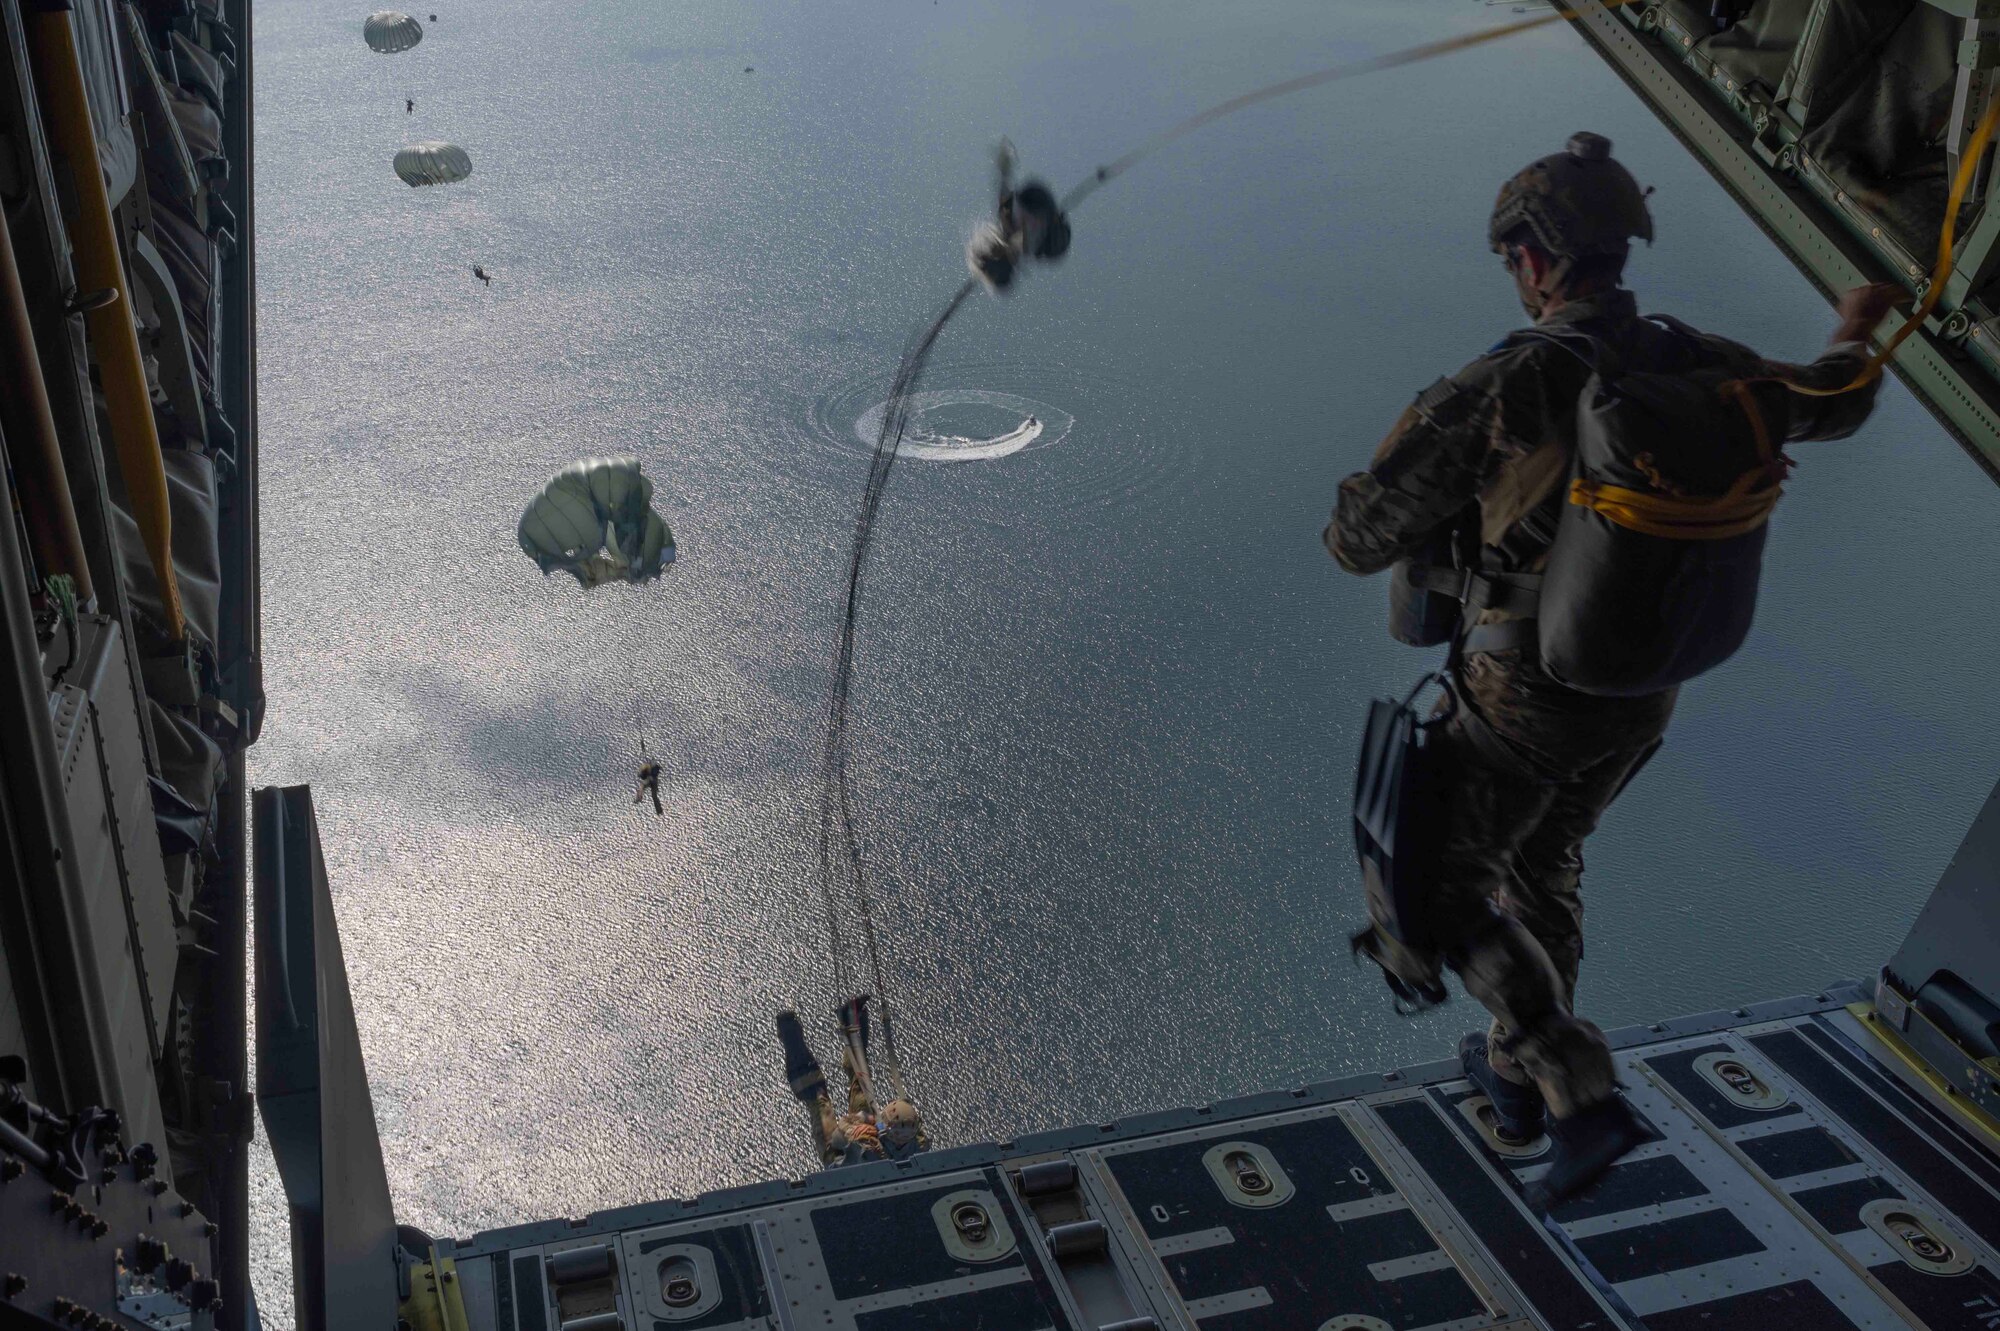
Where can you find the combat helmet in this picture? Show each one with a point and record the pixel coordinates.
(1577, 203)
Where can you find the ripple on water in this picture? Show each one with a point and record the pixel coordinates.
(1117, 451)
(936, 413)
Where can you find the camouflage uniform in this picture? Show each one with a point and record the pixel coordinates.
(1495, 441)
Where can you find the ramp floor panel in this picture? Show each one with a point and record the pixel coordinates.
(1346, 1243)
(1797, 1179)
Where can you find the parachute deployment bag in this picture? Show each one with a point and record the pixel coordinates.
(1394, 781)
(1652, 577)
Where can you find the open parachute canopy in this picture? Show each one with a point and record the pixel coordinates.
(388, 32)
(596, 520)
(433, 162)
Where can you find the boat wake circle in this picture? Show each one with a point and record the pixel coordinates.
(969, 425)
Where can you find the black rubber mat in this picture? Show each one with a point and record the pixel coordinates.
(1312, 1267)
(1806, 1151)
(1912, 1152)
(1668, 1245)
(1677, 1070)
(1798, 1306)
(736, 1270)
(888, 1243)
(1520, 1245)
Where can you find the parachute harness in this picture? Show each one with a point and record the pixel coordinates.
(995, 251)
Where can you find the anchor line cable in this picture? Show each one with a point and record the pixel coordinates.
(1968, 166)
(1409, 55)
(837, 812)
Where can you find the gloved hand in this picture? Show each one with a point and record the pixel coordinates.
(1861, 308)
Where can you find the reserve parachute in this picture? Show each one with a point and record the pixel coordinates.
(595, 520)
(388, 32)
(433, 162)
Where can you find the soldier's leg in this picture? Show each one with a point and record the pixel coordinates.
(1543, 888)
(826, 1128)
(1487, 815)
(857, 1086)
(1512, 977)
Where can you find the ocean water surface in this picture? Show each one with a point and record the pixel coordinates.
(1109, 684)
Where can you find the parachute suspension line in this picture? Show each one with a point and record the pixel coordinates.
(836, 821)
(839, 838)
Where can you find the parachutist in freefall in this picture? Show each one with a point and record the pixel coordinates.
(649, 784)
(1028, 224)
(481, 273)
(865, 1131)
(409, 106)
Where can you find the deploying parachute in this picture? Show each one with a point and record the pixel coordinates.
(388, 32)
(433, 162)
(596, 520)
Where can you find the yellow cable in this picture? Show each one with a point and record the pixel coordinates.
(1707, 519)
(66, 117)
(1968, 166)
(1742, 508)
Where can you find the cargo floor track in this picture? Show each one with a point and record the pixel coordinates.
(1801, 1178)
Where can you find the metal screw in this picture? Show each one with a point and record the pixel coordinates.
(11, 1169)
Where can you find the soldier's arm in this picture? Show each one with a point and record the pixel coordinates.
(1837, 408)
(1829, 417)
(1424, 474)
(1823, 415)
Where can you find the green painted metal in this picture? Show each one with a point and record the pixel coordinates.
(1752, 149)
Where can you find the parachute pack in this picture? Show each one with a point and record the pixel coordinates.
(1652, 579)
(1652, 575)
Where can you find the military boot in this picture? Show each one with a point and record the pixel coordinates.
(1518, 1109)
(802, 1070)
(1588, 1143)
